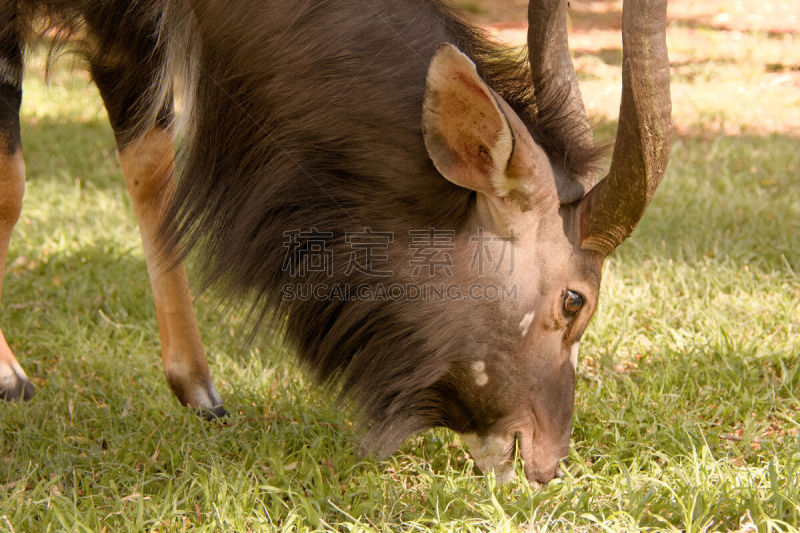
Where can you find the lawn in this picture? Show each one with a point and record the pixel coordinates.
(687, 399)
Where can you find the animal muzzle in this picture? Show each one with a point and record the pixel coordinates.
(493, 453)
(542, 454)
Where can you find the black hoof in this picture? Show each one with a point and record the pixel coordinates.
(20, 387)
(215, 413)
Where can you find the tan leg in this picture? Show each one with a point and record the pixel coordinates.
(146, 165)
(13, 381)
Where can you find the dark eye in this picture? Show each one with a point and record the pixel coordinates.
(572, 302)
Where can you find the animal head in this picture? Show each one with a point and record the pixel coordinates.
(517, 386)
(357, 132)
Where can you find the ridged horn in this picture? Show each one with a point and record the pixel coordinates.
(611, 210)
(548, 51)
(552, 71)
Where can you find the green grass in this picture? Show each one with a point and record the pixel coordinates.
(686, 413)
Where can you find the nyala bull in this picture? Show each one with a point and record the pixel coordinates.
(365, 172)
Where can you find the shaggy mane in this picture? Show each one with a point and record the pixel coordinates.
(305, 115)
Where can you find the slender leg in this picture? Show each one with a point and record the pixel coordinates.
(146, 165)
(13, 381)
(127, 80)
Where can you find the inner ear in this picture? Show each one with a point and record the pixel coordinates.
(466, 133)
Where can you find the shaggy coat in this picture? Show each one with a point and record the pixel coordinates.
(305, 114)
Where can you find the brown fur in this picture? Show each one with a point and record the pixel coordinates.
(13, 382)
(147, 165)
(306, 114)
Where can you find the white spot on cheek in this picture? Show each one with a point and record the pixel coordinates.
(573, 357)
(479, 369)
(525, 323)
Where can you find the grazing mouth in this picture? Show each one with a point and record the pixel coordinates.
(493, 453)
(497, 453)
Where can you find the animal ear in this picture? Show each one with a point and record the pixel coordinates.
(467, 135)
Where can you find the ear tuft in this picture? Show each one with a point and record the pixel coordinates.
(467, 135)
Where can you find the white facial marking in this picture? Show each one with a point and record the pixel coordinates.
(573, 358)
(526, 322)
(479, 369)
(492, 453)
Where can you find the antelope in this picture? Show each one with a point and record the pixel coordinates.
(414, 207)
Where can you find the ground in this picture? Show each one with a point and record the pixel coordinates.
(687, 400)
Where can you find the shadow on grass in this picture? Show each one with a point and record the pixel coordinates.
(79, 282)
(731, 197)
(83, 324)
(66, 151)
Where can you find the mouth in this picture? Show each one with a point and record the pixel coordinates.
(497, 453)
(493, 453)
